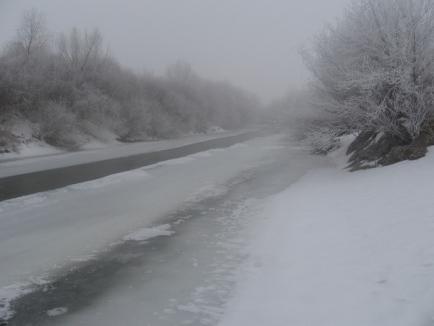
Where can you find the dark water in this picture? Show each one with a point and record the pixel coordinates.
(30, 183)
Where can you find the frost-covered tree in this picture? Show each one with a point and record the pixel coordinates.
(81, 51)
(75, 92)
(32, 35)
(374, 67)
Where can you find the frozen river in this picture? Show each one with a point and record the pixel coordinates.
(155, 246)
(32, 175)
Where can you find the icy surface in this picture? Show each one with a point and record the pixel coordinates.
(57, 311)
(340, 249)
(185, 279)
(13, 164)
(7, 295)
(47, 231)
(149, 233)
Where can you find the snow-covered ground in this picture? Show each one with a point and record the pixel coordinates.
(29, 150)
(340, 248)
(43, 232)
(38, 156)
(335, 248)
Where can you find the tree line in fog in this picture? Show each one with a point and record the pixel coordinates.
(69, 89)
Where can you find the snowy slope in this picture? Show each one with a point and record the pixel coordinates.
(45, 157)
(340, 249)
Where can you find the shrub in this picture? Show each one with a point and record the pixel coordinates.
(58, 127)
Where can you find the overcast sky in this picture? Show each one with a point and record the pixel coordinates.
(251, 43)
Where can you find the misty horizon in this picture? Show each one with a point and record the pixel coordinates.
(253, 45)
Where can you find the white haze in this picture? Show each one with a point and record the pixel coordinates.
(251, 43)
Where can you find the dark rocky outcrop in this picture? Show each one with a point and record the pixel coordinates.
(371, 149)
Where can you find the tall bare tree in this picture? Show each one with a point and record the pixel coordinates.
(32, 35)
(80, 49)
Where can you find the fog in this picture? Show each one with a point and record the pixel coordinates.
(251, 43)
(205, 162)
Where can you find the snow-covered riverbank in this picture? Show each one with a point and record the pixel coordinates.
(340, 248)
(335, 248)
